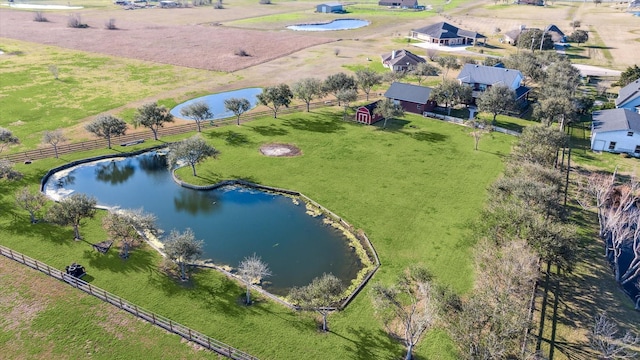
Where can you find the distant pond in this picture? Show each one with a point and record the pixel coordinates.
(216, 102)
(234, 222)
(338, 24)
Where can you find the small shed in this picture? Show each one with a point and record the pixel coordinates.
(412, 98)
(366, 114)
(330, 7)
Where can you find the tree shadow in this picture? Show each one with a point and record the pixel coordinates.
(138, 261)
(231, 137)
(598, 47)
(20, 224)
(392, 125)
(366, 344)
(320, 123)
(428, 136)
(271, 130)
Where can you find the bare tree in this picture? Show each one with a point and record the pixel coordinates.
(31, 202)
(252, 270)
(480, 128)
(127, 226)
(407, 308)
(423, 70)
(367, 79)
(237, 106)
(7, 171)
(183, 248)
(318, 296)
(198, 111)
(75, 21)
(107, 126)
(38, 16)
(53, 69)
(606, 340)
(346, 97)
(71, 210)
(110, 24)
(53, 138)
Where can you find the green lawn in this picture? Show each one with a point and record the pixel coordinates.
(414, 188)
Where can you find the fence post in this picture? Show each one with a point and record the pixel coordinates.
(23, 260)
(90, 291)
(49, 270)
(121, 305)
(135, 307)
(189, 333)
(209, 342)
(170, 325)
(153, 316)
(11, 253)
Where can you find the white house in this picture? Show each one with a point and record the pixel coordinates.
(629, 97)
(616, 130)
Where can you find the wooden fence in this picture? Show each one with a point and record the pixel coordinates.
(460, 121)
(48, 152)
(161, 321)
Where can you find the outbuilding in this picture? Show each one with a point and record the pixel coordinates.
(366, 114)
(412, 98)
(330, 7)
(616, 130)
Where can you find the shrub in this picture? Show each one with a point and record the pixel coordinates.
(75, 22)
(265, 2)
(38, 16)
(241, 52)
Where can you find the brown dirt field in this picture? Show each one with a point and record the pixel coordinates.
(197, 46)
(280, 150)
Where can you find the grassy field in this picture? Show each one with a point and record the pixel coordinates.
(414, 188)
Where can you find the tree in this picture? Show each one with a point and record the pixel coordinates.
(562, 80)
(31, 202)
(346, 96)
(497, 99)
(152, 116)
(71, 210)
(107, 126)
(183, 248)
(447, 63)
(422, 70)
(318, 296)
(451, 93)
(53, 138)
(539, 144)
(308, 89)
(480, 127)
(605, 340)
(531, 38)
(578, 36)
(407, 308)
(560, 109)
(192, 151)
(388, 109)
(7, 138)
(336, 82)
(275, 97)
(7, 171)
(237, 106)
(252, 270)
(127, 227)
(198, 111)
(575, 24)
(597, 2)
(529, 64)
(629, 75)
(367, 79)
(393, 76)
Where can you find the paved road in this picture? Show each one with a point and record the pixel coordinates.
(589, 70)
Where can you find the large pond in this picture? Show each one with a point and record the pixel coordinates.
(234, 222)
(216, 102)
(338, 24)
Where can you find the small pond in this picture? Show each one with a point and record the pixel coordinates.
(338, 24)
(216, 102)
(234, 222)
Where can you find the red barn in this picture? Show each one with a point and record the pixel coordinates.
(365, 114)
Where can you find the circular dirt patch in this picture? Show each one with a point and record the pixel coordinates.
(280, 150)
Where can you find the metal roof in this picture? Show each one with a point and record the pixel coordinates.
(408, 92)
(488, 75)
(615, 120)
(629, 92)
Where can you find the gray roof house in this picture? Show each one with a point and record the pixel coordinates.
(443, 33)
(401, 60)
(329, 7)
(405, 4)
(481, 77)
(412, 98)
(616, 130)
(629, 97)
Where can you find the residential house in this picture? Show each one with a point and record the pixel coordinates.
(629, 97)
(366, 114)
(530, 2)
(405, 4)
(481, 77)
(511, 36)
(401, 60)
(446, 34)
(616, 130)
(412, 98)
(557, 36)
(330, 7)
